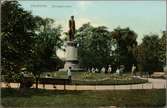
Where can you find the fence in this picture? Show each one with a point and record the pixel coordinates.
(93, 87)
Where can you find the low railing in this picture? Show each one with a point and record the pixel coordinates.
(54, 81)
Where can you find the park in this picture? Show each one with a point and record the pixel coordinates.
(73, 65)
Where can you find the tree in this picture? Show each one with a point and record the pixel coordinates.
(126, 43)
(46, 42)
(150, 57)
(83, 36)
(27, 41)
(95, 46)
(17, 31)
(101, 46)
(162, 52)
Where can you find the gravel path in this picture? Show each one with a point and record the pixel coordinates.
(153, 83)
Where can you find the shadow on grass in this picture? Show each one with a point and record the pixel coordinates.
(85, 99)
(15, 92)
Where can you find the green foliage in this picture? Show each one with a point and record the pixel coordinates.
(27, 41)
(94, 46)
(87, 78)
(47, 39)
(162, 49)
(88, 75)
(26, 83)
(152, 53)
(115, 81)
(99, 47)
(46, 42)
(17, 31)
(31, 41)
(126, 44)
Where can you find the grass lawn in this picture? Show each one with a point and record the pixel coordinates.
(83, 99)
(86, 78)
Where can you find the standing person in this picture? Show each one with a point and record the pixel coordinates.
(122, 67)
(133, 69)
(103, 70)
(117, 71)
(69, 73)
(93, 70)
(89, 70)
(109, 69)
(96, 70)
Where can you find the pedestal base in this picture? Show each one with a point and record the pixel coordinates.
(74, 66)
(71, 57)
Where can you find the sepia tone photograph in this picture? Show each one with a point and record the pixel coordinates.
(83, 54)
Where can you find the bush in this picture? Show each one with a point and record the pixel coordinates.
(88, 75)
(113, 81)
(27, 82)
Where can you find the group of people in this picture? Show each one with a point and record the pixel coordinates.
(106, 70)
(119, 70)
(103, 70)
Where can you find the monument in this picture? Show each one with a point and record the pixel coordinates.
(71, 49)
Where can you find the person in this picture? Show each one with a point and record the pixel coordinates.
(93, 70)
(96, 70)
(109, 69)
(89, 70)
(133, 69)
(118, 71)
(47, 76)
(69, 73)
(103, 70)
(122, 67)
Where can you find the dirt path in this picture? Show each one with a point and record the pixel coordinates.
(153, 83)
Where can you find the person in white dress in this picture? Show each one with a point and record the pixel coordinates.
(103, 70)
(93, 70)
(89, 70)
(96, 70)
(109, 69)
(69, 73)
(133, 69)
(117, 71)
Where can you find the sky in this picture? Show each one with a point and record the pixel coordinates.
(144, 17)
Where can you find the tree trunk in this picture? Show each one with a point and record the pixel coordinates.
(36, 81)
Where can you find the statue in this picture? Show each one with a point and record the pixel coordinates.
(71, 28)
(71, 50)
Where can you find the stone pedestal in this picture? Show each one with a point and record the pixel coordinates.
(71, 57)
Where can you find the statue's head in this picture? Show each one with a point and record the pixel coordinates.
(72, 17)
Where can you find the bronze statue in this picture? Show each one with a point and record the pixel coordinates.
(71, 28)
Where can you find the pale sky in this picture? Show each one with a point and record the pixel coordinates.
(143, 17)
